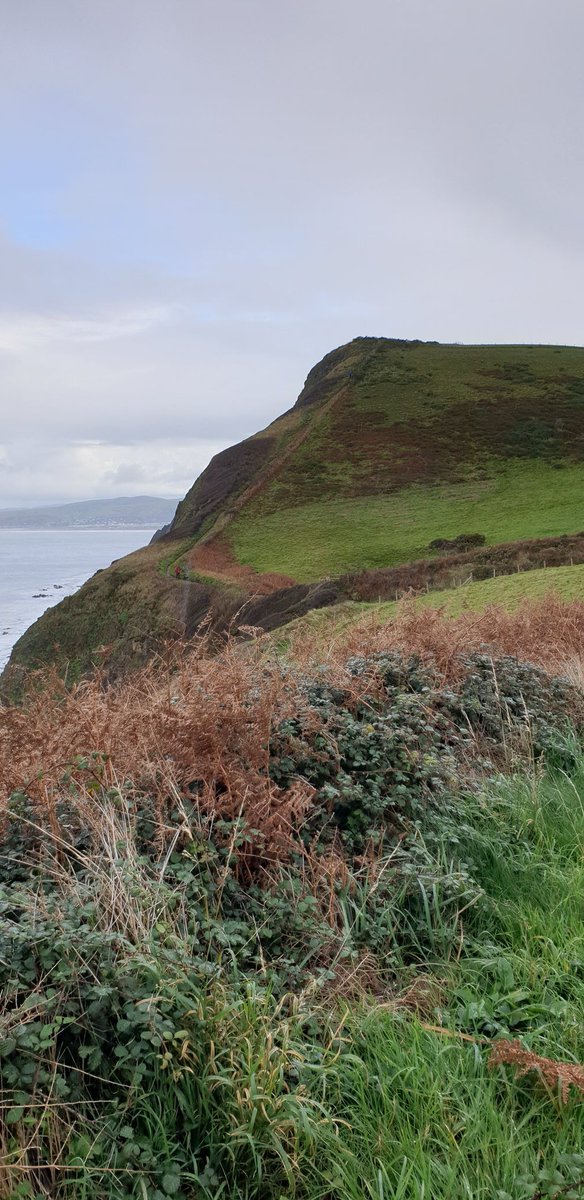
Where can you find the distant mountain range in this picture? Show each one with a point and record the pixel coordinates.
(124, 512)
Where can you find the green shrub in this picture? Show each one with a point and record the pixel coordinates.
(175, 1017)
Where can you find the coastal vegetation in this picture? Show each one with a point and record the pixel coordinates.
(394, 453)
(531, 592)
(292, 812)
(278, 923)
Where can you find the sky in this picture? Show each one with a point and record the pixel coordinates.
(200, 198)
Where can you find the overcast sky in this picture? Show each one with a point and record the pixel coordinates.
(200, 198)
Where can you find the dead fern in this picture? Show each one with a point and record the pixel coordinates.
(547, 632)
(558, 1076)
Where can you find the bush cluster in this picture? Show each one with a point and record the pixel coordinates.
(464, 541)
(378, 760)
(149, 955)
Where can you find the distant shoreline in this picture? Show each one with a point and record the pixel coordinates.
(40, 567)
(77, 528)
(121, 514)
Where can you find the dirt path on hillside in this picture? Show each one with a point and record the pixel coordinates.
(215, 558)
(273, 467)
(212, 555)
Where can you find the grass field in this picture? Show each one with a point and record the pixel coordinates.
(328, 537)
(509, 590)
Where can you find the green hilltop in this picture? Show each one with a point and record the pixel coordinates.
(424, 441)
(390, 446)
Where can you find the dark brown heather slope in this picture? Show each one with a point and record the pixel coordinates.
(380, 427)
(226, 476)
(230, 474)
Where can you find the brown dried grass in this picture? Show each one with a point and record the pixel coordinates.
(548, 633)
(197, 724)
(557, 1076)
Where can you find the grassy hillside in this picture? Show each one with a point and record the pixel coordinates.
(425, 441)
(390, 446)
(519, 500)
(507, 592)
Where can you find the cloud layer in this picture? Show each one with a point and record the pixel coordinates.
(199, 200)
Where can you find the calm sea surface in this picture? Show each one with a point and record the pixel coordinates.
(53, 563)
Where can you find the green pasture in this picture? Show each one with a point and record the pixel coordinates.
(329, 537)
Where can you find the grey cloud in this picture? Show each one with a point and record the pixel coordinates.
(127, 473)
(199, 200)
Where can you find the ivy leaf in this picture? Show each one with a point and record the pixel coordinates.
(171, 1184)
(14, 1114)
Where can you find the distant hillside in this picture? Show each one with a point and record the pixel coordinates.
(125, 512)
(394, 444)
(390, 447)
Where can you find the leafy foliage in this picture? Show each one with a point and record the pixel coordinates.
(199, 895)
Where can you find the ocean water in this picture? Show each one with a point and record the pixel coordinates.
(37, 569)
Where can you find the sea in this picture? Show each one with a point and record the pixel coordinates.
(39, 568)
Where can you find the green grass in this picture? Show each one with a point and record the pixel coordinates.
(524, 500)
(426, 1117)
(508, 590)
(318, 1099)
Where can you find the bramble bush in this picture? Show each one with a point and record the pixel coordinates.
(173, 943)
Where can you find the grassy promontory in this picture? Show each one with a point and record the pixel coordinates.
(390, 447)
(272, 926)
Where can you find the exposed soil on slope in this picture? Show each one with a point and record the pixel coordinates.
(215, 558)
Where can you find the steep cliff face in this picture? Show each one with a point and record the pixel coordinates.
(223, 485)
(390, 446)
(222, 481)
